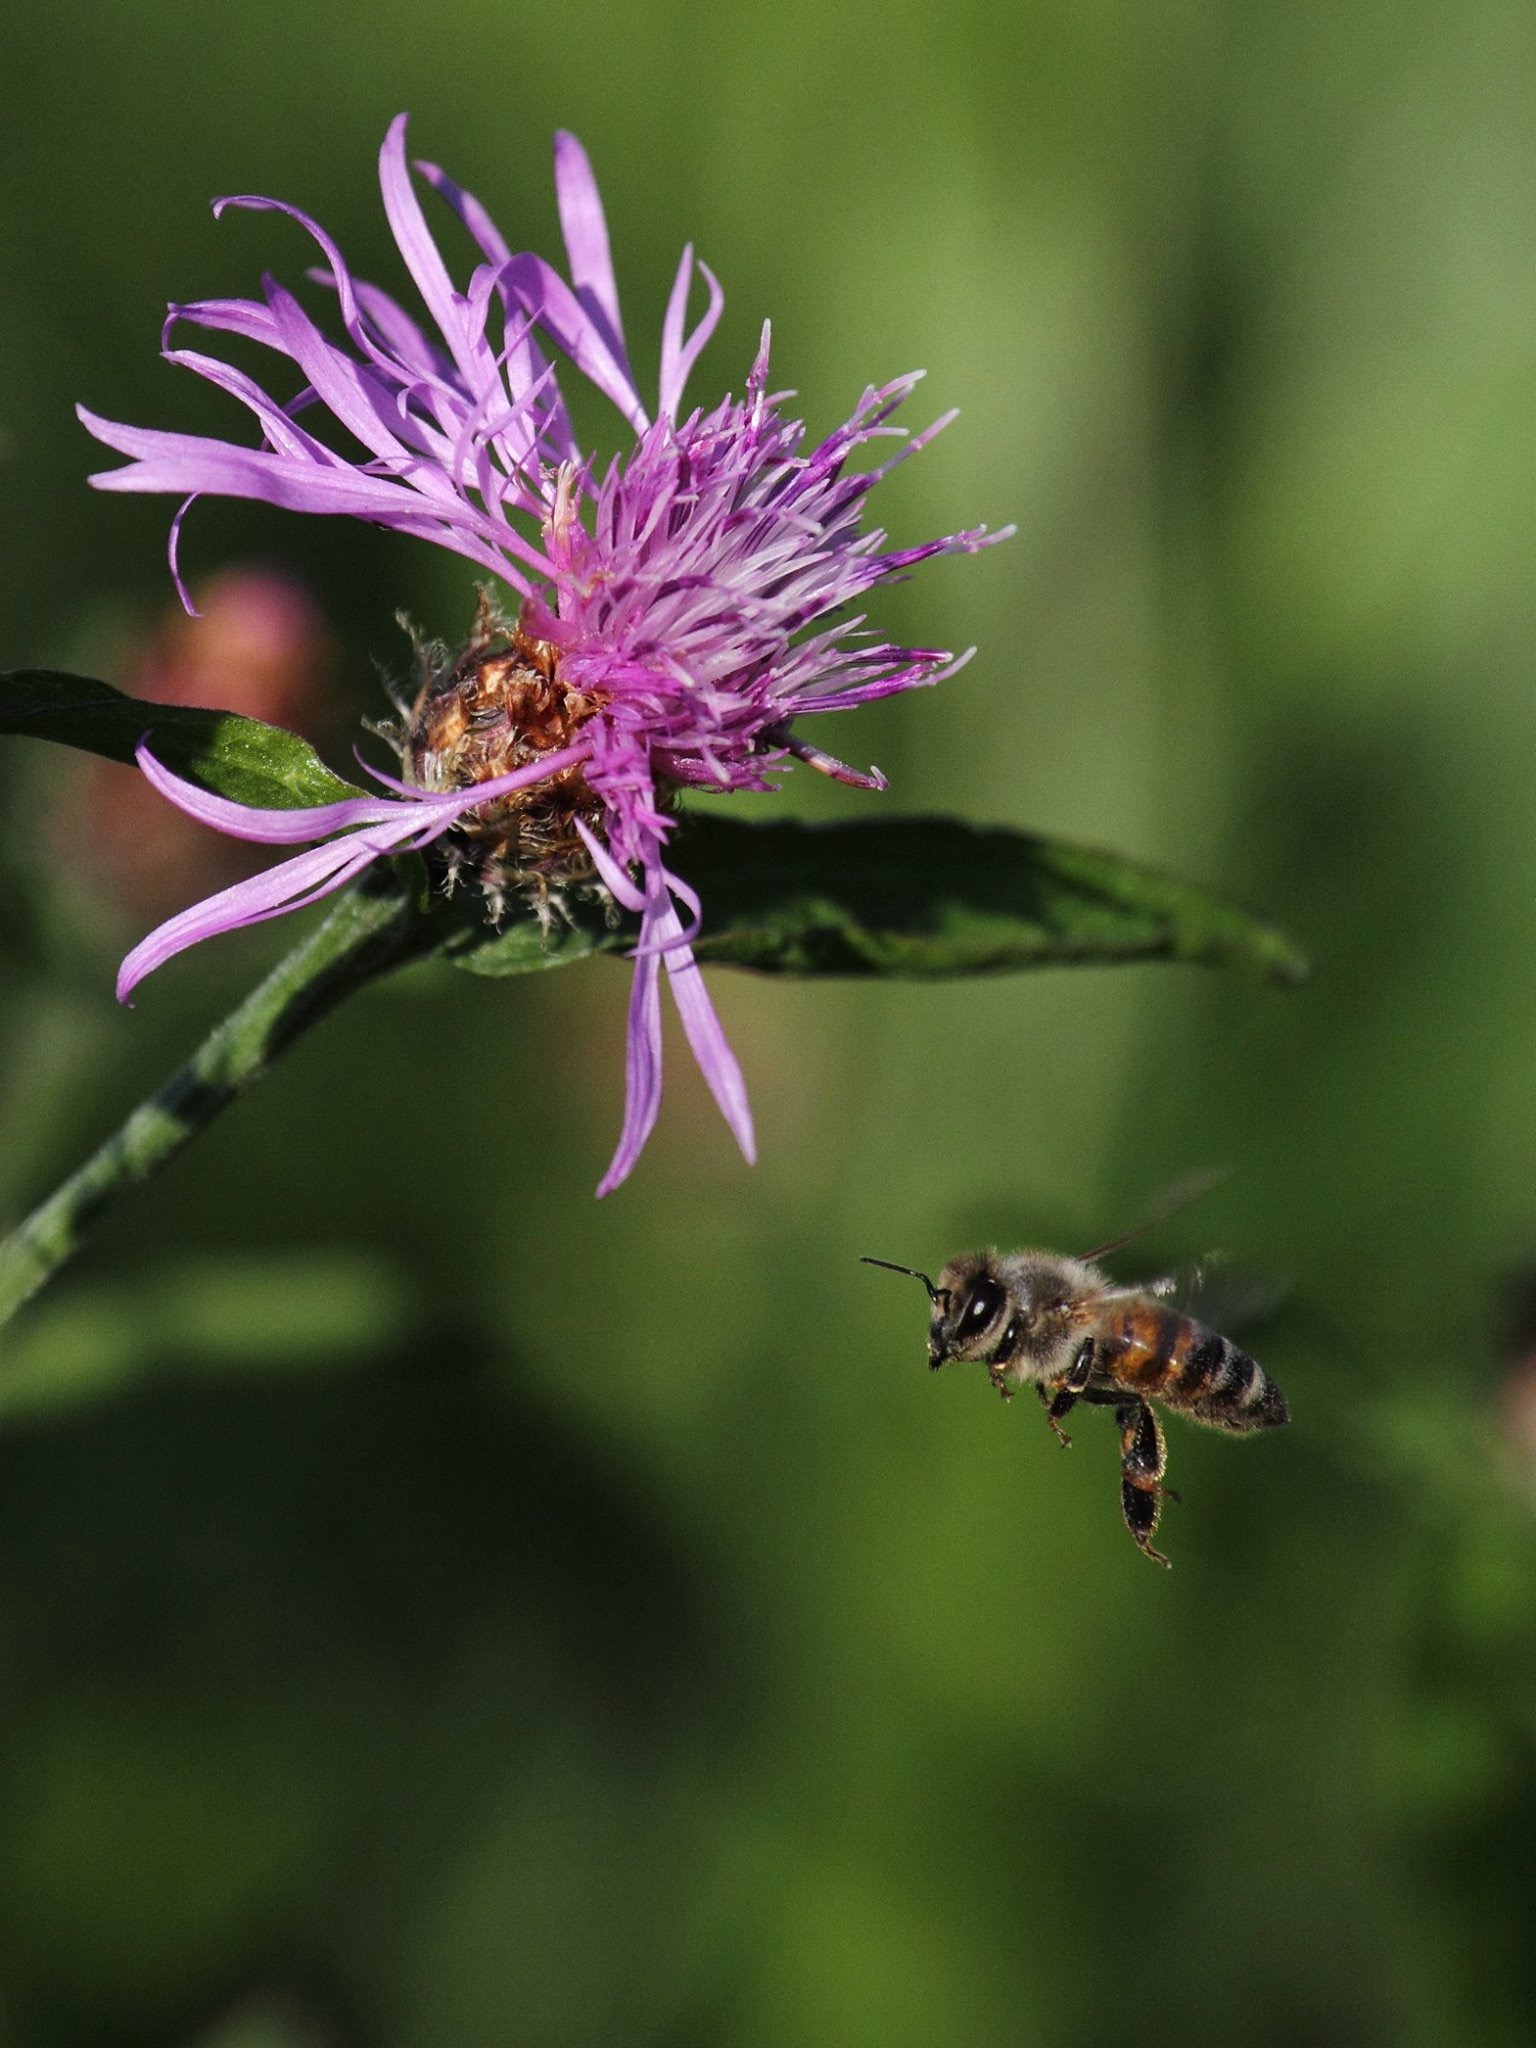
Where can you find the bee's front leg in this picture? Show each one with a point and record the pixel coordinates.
(1001, 1381)
(1067, 1391)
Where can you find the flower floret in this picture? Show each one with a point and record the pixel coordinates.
(675, 614)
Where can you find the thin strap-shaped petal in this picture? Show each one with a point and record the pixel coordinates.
(468, 347)
(676, 939)
(342, 386)
(550, 301)
(276, 423)
(525, 366)
(170, 461)
(469, 209)
(291, 885)
(678, 356)
(340, 276)
(585, 228)
(717, 1062)
(927, 665)
(142, 442)
(190, 463)
(294, 884)
(173, 555)
(454, 804)
(264, 827)
(418, 809)
(613, 878)
(393, 327)
(515, 427)
(414, 238)
(642, 1071)
(691, 902)
(250, 318)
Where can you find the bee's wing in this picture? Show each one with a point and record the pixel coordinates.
(1215, 1292)
(1180, 1286)
(1230, 1297)
(1184, 1191)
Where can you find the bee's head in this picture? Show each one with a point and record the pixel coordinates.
(970, 1307)
(971, 1310)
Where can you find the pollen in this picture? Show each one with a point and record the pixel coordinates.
(499, 705)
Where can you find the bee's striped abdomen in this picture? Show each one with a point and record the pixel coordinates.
(1186, 1366)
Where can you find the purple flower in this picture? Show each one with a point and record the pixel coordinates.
(675, 612)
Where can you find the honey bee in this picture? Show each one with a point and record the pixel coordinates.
(1061, 1326)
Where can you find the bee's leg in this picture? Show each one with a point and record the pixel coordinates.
(1068, 1390)
(1007, 1351)
(1143, 1459)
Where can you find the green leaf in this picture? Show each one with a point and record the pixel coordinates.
(923, 898)
(521, 947)
(235, 757)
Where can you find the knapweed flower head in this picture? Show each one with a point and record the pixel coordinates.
(676, 611)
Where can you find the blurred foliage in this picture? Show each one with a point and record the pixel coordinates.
(435, 1608)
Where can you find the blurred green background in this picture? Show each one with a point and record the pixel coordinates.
(438, 1609)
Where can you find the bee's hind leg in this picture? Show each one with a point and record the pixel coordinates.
(1143, 1460)
(1068, 1390)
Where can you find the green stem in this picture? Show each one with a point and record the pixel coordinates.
(374, 927)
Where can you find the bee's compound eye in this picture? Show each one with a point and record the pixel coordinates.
(986, 1299)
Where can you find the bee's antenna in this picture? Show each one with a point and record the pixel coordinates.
(1179, 1196)
(911, 1272)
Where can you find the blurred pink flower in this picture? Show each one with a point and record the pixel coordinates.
(258, 646)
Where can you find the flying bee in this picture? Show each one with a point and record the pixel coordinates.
(1061, 1326)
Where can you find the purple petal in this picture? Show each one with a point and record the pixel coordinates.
(585, 229)
(388, 823)
(550, 300)
(277, 426)
(291, 885)
(191, 465)
(417, 811)
(345, 388)
(249, 318)
(642, 1072)
(678, 356)
(388, 331)
(614, 880)
(683, 894)
(265, 827)
(165, 461)
(474, 216)
(251, 203)
(414, 238)
(925, 666)
(716, 1061)
(173, 556)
